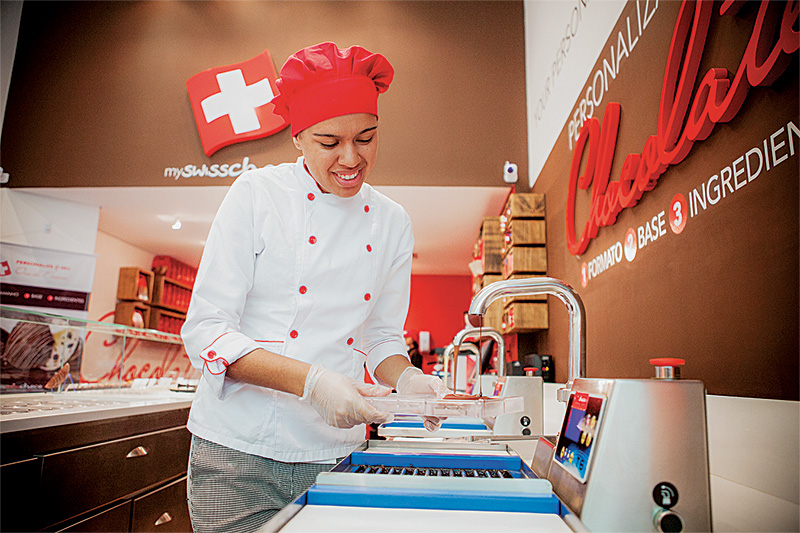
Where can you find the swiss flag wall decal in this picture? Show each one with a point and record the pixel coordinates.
(231, 103)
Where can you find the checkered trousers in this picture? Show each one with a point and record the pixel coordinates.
(230, 491)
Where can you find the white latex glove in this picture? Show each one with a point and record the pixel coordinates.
(413, 382)
(339, 399)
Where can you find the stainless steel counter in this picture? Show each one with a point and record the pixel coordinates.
(26, 411)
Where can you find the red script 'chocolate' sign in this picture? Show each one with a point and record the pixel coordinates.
(681, 120)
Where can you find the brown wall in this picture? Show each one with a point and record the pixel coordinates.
(723, 294)
(98, 94)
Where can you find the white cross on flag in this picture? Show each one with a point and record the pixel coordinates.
(231, 103)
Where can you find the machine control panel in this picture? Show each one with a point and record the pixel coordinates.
(578, 433)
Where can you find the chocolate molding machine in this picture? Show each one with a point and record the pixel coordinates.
(631, 455)
(426, 486)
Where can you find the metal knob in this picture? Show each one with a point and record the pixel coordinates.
(668, 521)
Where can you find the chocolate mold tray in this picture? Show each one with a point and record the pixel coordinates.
(481, 407)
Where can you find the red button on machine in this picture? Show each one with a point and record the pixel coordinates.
(667, 361)
(667, 367)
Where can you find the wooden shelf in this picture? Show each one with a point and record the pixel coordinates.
(171, 294)
(124, 314)
(524, 232)
(525, 316)
(489, 246)
(161, 301)
(174, 269)
(166, 321)
(134, 284)
(525, 260)
(524, 205)
(513, 246)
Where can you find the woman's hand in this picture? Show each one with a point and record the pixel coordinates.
(413, 382)
(339, 399)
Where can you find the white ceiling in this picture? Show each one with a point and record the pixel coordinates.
(446, 220)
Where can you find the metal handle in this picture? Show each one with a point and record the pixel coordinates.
(139, 451)
(163, 519)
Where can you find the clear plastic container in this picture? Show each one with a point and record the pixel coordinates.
(484, 407)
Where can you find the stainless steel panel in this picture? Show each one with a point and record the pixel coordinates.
(653, 431)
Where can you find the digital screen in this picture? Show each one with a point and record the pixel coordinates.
(579, 433)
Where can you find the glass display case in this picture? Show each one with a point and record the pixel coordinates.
(35, 348)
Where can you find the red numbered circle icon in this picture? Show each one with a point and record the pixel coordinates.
(678, 213)
(630, 245)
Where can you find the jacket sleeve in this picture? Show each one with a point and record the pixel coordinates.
(383, 328)
(211, 333)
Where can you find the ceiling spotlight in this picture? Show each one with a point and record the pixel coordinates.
(177, 224)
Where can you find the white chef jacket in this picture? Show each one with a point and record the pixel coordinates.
(301, 273)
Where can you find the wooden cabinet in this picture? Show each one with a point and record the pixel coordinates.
(19, 482)
(114, 519)
(116, 468)
(160, 510)
(98, 476)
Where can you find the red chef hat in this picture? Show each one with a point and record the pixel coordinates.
(324, 81)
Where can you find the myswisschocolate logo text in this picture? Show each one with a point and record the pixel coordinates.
(224, 170)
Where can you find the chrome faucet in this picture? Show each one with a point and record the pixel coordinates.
(478, 333)
(542, 285)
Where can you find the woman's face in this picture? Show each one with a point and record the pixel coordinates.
(340, 152)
